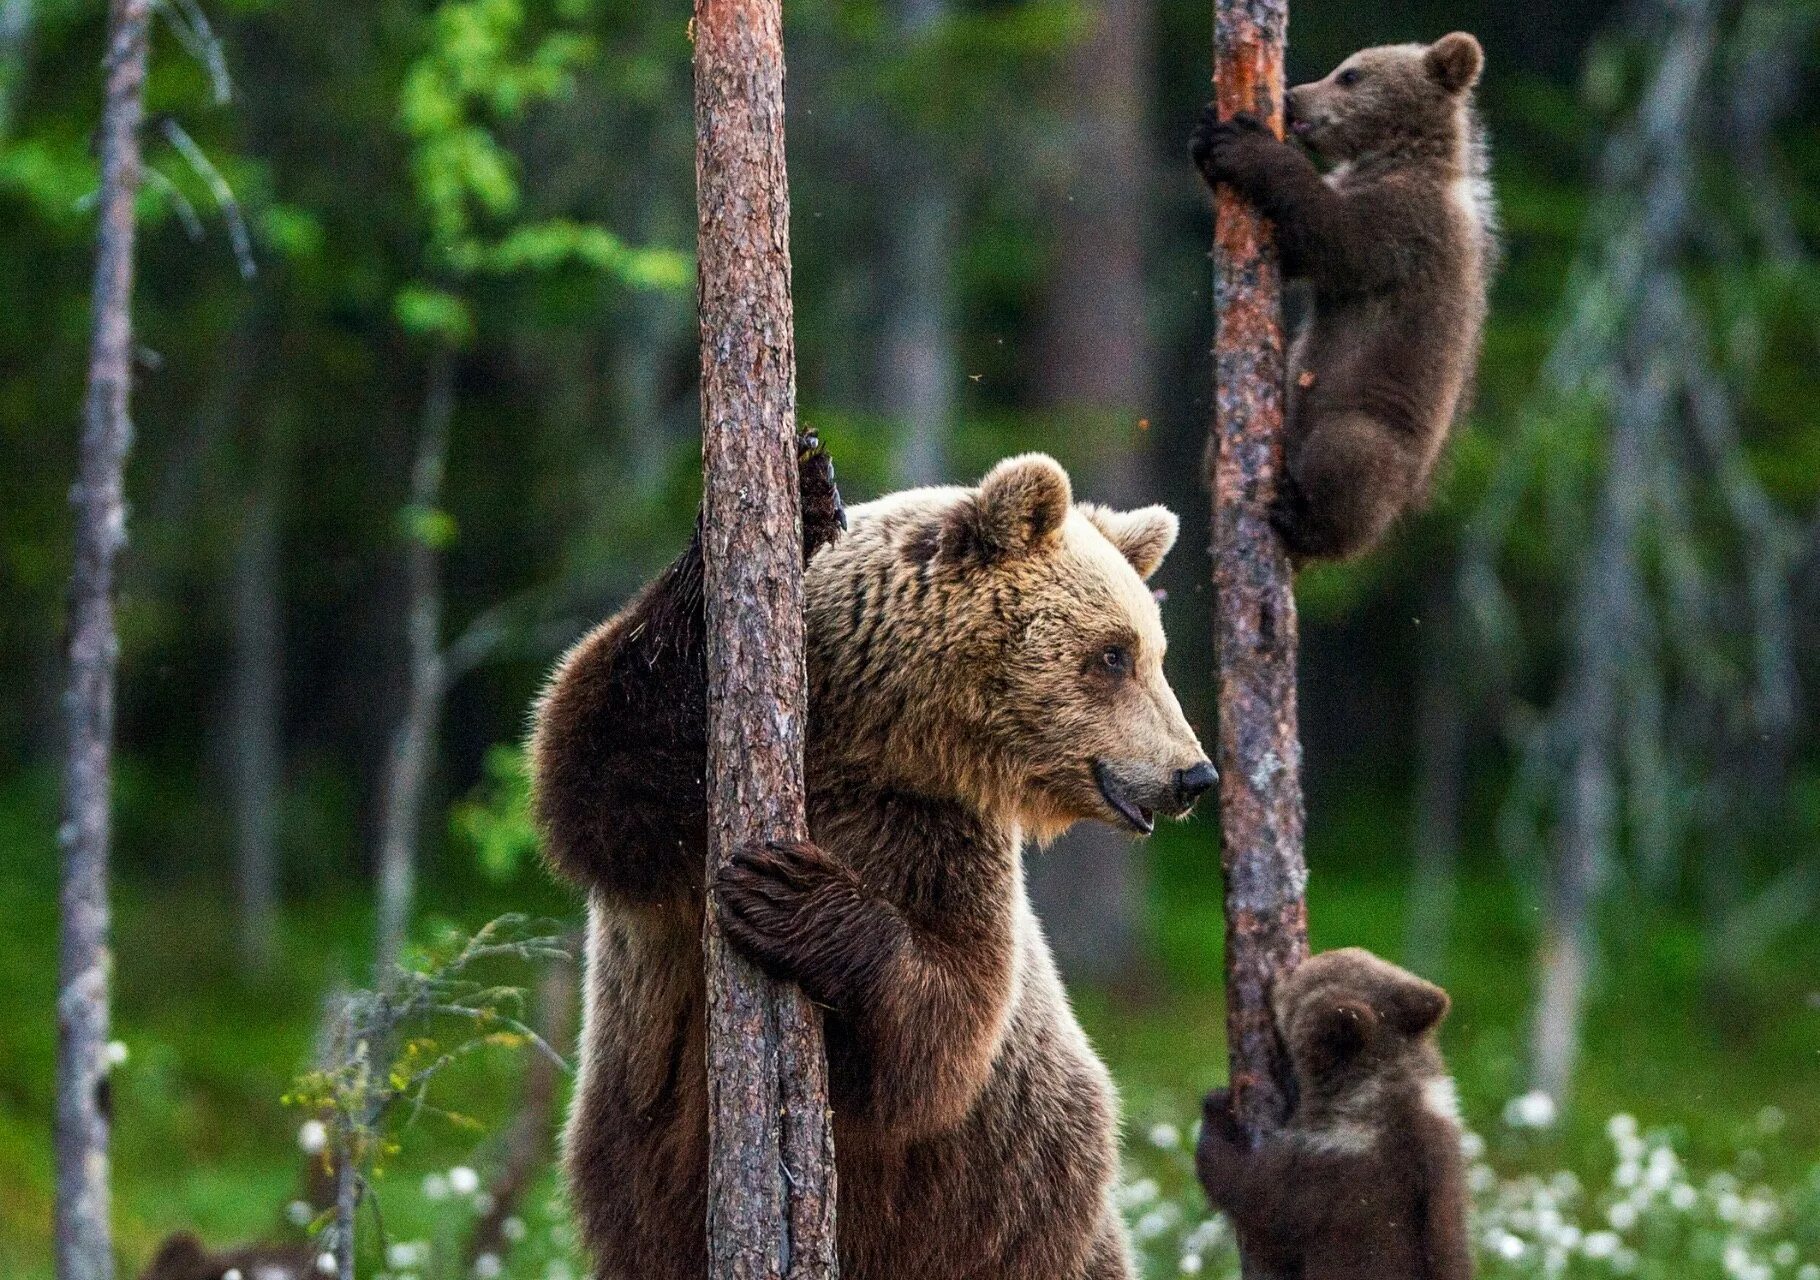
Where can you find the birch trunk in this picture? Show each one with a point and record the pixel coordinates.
(770, 1138)
(84, 1245)
(413, 749)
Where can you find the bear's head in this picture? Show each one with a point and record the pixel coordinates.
(998, 644)
(1389, 99)
(1347, 1018)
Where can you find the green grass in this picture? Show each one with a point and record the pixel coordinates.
(201, 1141)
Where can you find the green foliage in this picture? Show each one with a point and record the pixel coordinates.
(494, 821)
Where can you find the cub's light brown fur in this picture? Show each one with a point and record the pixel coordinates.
(985, 665)
(1397, 246)
(1365, 1181)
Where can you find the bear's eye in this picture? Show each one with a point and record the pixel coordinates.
(1115, 660)
(1349, 77)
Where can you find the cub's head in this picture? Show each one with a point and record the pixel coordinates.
(1346, 1018)
(999, 644)
(1385, 99)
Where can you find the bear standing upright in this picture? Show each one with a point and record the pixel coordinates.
(985, 666)
(1365, 1180)
(1397, 244)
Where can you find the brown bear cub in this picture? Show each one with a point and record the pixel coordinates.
(1365, 1180)
(1396, 244)
(985, 667)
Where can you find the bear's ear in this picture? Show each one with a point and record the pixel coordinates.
(1415, 1006)
(1455, 61)
(1336, 1032)
(1019, 508)
(1143, 536)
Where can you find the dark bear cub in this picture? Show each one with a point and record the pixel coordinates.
(1365, 1180)
(1396, 244)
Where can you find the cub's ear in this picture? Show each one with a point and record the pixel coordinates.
(1455, 61)
(1143, 536)
(1337, 1031)
(1019, 508)
(1415, 1006)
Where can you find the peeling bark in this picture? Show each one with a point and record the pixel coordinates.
(84, 1248)
(1255, 630)
(770, 1138)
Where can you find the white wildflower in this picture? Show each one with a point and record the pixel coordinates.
(435, 1187)
(559, 1269)
(1507, 1246)
(1785, 1254)
(1808, 1271)
(300, 1213)
(488, 1267)
(232, 1273)
(1621, 1126)
(513, 1228)
(463, 1181)
(1190, 1264)
(312, 1137)
(1600, 1244)
(1622, 1215)
(1472, 1146)
(1683, 1196)
(1156, 1222)
(325, 1263)
(1141, 1192)
(1624, 1261)
(484, 1203)
(1165, 1137)
(117, 1053)
(1532, 1110)
(402, 1254)
(1771, 1120)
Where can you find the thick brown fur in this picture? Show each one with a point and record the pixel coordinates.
(1397, 245)
(184, 1257)
(984, 664)
(1365, 1181)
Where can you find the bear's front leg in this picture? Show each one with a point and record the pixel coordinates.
(802, 916)
(922, 1015)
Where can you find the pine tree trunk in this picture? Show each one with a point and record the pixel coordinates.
(770, 1139)
(413, 750)
(84, 1248)
(1260, 751)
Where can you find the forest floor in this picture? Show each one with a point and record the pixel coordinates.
(203, 1142)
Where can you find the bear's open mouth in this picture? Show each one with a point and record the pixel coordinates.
(1136, 816)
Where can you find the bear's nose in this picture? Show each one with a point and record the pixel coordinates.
(1191, 784)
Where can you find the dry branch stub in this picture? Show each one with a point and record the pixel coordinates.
(1255, 630)
(771, 1143)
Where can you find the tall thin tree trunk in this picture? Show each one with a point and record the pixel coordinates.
(15, 42)
(257, 756)
(413, 750)
(1097, 373)
(919, 361)
(1255, 632)
(770, 1137)
(1440, 785)
(84, 1245)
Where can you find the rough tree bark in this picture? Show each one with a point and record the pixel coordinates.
(413, 748)
(1260, 750)
(770, 1138)
(84, 1247)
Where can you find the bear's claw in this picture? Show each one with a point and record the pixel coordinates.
(760, 893)
(824, 515)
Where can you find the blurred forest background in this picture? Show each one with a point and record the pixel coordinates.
(415, 406)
